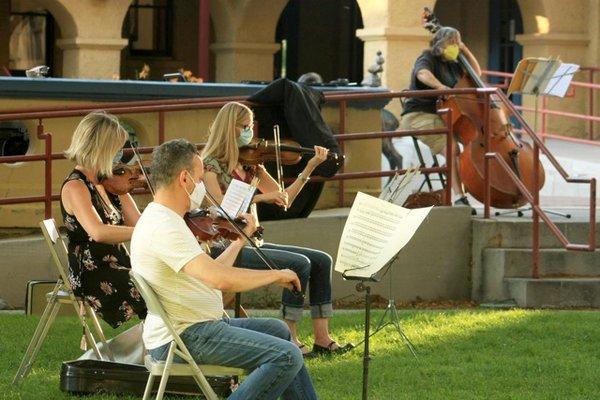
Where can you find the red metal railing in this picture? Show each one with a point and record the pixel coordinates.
(342, 99)
(161, 107)
(544, 111)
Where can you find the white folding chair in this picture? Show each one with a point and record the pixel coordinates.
(167, 368)
(62, 294)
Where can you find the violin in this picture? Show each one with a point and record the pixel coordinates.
(290, 152)
(125, 178)
(207, 226)
(468, 121)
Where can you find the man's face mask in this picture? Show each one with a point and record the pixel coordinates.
(245, 137)
(450, 53)
(197, 194)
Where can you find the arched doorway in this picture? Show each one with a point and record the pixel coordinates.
(32, 34)
(321, 38)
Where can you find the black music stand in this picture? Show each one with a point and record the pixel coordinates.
(540, 77)
(363, 286)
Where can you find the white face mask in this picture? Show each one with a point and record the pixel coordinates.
(197, 194)
(245, 137)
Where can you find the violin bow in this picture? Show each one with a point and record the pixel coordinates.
(139, 162)
(263, 257)
(277, 140)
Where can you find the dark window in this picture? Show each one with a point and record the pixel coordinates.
(31, 41)
(14, 138)
(321, 38)
(149, 27)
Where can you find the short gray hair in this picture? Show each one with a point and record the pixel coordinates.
(441, 37)
(169, 159)
(310, 78)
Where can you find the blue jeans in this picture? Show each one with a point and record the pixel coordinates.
(313, 267)
(259, 345)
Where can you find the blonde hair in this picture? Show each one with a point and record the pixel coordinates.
(96, 141)
(222, 140)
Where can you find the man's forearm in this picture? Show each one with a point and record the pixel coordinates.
(243, 280)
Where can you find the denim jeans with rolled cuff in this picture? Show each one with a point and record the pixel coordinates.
(313, 267)
(261, 346)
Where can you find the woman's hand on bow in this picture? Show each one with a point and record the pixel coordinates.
(274, 197)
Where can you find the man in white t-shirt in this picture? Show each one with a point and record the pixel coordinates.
(188, 284)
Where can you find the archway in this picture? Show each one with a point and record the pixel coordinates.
(321, 37)
(33, 29)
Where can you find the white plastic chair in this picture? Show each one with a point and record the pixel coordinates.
(167, 368)
(62, 294)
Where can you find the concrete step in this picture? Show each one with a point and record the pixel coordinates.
(517, 263)
(555, 292)
(517, 233)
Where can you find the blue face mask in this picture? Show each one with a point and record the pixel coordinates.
(117, 158)
(245, 137)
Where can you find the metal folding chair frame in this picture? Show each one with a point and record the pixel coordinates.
(423, 165)
(61, 294)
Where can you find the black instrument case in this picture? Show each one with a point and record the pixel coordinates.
(93, 376)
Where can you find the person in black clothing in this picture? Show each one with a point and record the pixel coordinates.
(437, 68)
(98, 222)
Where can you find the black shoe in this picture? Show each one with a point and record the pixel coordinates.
(321, 350)
(463, 201)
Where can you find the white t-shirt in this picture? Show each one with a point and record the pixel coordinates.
(161, 246)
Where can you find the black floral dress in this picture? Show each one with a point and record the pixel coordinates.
(99, 272)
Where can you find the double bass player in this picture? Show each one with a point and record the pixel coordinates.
(437, 68)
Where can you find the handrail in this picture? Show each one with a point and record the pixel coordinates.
(533, 199)
(591, 119)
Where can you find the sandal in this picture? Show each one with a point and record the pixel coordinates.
(308, 354)
(328, 350)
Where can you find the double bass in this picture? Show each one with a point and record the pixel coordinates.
(468, 123)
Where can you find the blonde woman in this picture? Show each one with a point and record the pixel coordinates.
(98, 222)
(231, 129)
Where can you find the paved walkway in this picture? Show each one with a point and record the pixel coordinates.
(578, 160)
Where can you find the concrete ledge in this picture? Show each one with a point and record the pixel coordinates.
(23, 259)
(555, 293)
(434, 265)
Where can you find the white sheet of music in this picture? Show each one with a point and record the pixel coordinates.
(559, 83)
(374, 232)
(237, 197)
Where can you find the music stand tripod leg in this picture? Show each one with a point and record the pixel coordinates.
(396, 323)
(392, 312)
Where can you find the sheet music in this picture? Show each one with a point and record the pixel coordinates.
(374, 232)
(560, 81)
(393, 192)
(538, 74)
(237, 197)
(545, 76)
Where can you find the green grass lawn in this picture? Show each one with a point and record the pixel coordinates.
(463, 354)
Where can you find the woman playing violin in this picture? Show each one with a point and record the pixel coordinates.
(437, 68)
(232, 129)
(98, 222)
